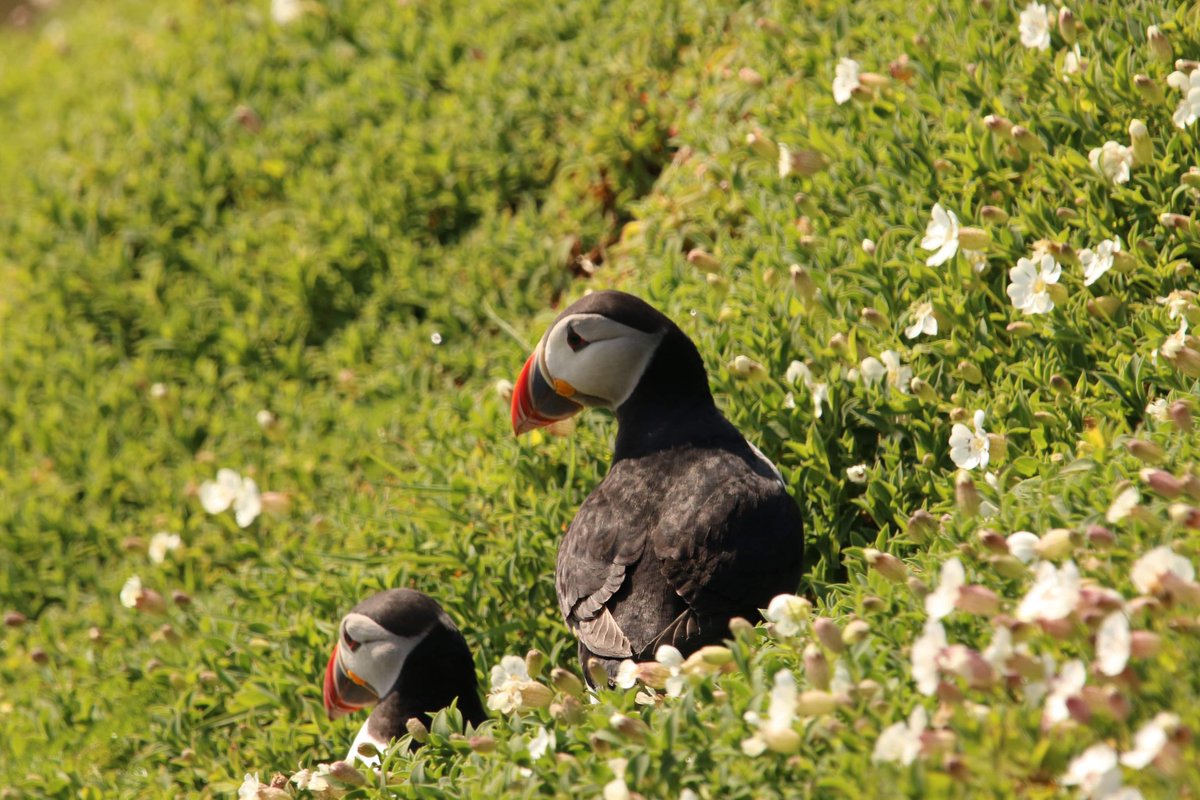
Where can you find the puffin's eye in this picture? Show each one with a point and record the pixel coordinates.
(350, 643)
(574, 340)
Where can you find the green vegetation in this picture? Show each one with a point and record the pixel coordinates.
(359, 220)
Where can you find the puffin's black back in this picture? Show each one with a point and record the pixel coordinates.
(438, 671)
(691, 526)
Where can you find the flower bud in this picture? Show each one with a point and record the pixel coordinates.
(741, 628)
(703, 260)
(837, 342)
(750, 77)
(534, 660)
(1162, 483)
(482, 744)
(816, 667)
(1105, 307)
(1185, 515)
(923, 390)
(829, 634)
(979, 600)
(1008, 566)
(761, 145)
(1181, 415)
(417, 730)
(1058, 293)
(873, 317)
(1149, 88)
(868, 247)
(39, 656)
(714, 654)
(1066, 26)
(1186, 65)
(969, 372)
(1160, 46)
(993, 215)
(537, 695)
(814, 703)
(717, 283)
(747, 368)
(802, 282)
(629, 727)
(966, 496)
(1027, 140)
(1145, 451)
(1054, 544)
(974, 238)
(918, 587)
(14, 619)
(1175, 221)
(1100, 537)
(885, 564)
(343, 772)
(566, 682)
(1060, 385)
(781, 740)
(999, 125)
(1020, 329)
(992, 540)
(1140, 143)
(1144, 644)
(857, 630)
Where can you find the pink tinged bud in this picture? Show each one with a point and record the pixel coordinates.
(886, 564)
(248, 118)
(1144, 644)
(482, 744)
(948, 694)
(1100, 537)
(1160, 45)
(703, 260)
(918, 587)
(1181, 415)
(1186, 65)
(761, 145)
(976, 599)
(276, 503)
(343, 772)
(1020, 329)
(968, 664)
(596, 672)
(150, 602)
(750, 77)
(921, 525)
(1162, 483)
(966, 495)
(1079, 709)
(993, 215)
(1175, 221)
(181, 598)
(1185, 515)
(992, 540)
(802, 282)
(1058, 628)
(14, 619)
(998, 125)
(39, 656)
(829, 634)
(873, 317)
(1054, 544)
(1145, 451)
(1117, 704)
(629, 727)
(816, 667)
(1149, 88)
(1027, 140)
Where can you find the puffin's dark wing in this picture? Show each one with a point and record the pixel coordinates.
(605, 541)
(730, 538)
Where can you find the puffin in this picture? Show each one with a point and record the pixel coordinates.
(400, 652)
(692, 525)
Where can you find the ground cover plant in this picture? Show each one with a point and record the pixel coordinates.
(268, 267)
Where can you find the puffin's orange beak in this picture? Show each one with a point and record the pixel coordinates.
(334, 693)
(535, 402)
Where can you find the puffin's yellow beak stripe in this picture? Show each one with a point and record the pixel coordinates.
(350, 674)
(563, 388)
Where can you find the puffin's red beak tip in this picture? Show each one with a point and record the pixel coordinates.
(524, 416)
(335, 706)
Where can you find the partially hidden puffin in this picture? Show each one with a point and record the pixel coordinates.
(692, 525)
(401, 653)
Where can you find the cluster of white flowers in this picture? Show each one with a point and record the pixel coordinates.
(232, 490)
(1188, 110)
(1113, 160)
(1030, 282)
(1099, 261)
(1034, 27)
(776, 732)
(799, 371)
(887, 368)
(512, 688)
(845, 80)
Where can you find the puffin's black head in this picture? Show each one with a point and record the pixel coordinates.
(374, 641)
(601, 351)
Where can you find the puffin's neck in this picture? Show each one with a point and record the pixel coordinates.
(672, 405)
(437, 672)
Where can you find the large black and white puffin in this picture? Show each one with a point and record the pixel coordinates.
(401, 653)
(693, 525)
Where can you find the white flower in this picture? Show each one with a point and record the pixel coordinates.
(788, 613)
(131, 591)
(968, 449)
(785, 160)
(1095, 772)
(898, 375)
(1112, 643)
(265, 418)
(901, 742)
(798, 370)
(1150, 740)
(249, 788)
(231, 489)
(857, 473)
(925, 652)
(1035, 27)
(941, 236)
(1177, 303)
(627, 674)
(1069, 683)
(940, 602)
(1021, 545)
(1122, 505)
(616, 790)
(1029, 290)
(1149, 570)
(162, 543)
(845, 80)
(672, 659)
(776, 731)
(1000, 650)
(977, 259)
(688, 794)
(1189, 107)
(1157, 410)
(1073, 61)
(1096, 263)
(285, 11)
(923, 321)
(820, 396)
(1178, 340)
(1112, 160)
(1054, 594)
(543, 742)
(508, 678)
